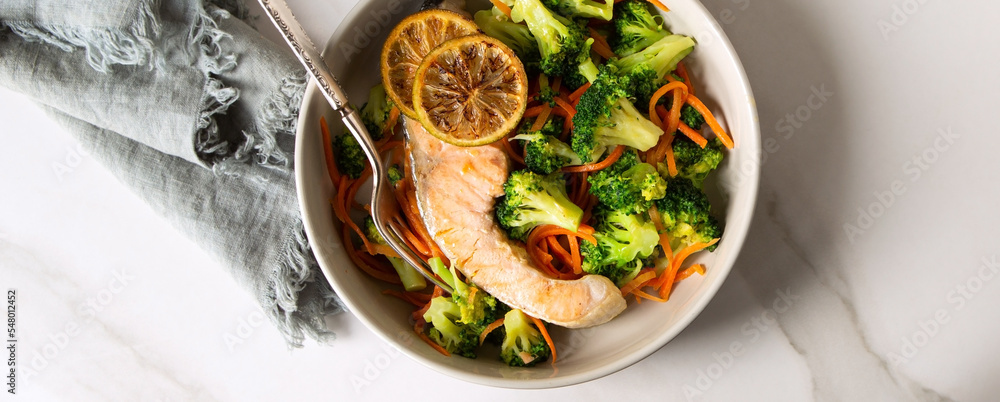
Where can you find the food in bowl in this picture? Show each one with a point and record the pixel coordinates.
(607, 182)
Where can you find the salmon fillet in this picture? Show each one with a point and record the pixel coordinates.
(456, 188)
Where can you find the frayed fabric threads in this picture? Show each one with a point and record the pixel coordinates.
(204, 135)
(130, 45)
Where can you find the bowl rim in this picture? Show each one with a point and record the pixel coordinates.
(735, 236)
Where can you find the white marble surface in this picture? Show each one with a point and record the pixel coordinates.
(114, 305)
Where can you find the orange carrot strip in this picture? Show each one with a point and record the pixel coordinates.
(545, 334)
(549, 230)
(574, 249)
(542, 118)
(489, 328)
(646, 275)
(712, 122)
(356, 258)
(693, 135)
(558, 250)
(510, 151)
(601, 45)
(666, 280)
(687, 272)
(535, 110)
(660, 5)
(502, 7)
(669, 156)
(670, 86)
(682, 71)
(567, 107)
(391, 124)
(611, 159)
(420, 332)
(331, 166)
(639, 293)
(575, 96)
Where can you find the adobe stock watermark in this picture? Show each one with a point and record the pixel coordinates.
(958, 297)
(752, 330)
(362, 36)
(88, 309)
(885, 198)
(785, 128)
(901, 13)
(69, 164)
(11, 341)
(244, 329)
(375, 366)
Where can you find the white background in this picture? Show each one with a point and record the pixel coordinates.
(113, 304)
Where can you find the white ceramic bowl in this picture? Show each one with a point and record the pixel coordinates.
(585, 354)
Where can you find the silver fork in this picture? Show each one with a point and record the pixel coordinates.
(383, 200)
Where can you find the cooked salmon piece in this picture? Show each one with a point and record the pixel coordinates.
(456, 188)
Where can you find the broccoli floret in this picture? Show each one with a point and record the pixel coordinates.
(644, 71)
(692, 117)
(444, 316)
(635, 27)
(395, 174)
(375, 112)
(585, 72)
(347, 153)
(605, 118)
(523, 346)
(685, 214)
(628, 185)
(582, 8)
(531, 199)
(694, 162)
(516, 36)
(553, 126)
(411, 279)
(624, 241)
(560, 40)
(544, 154)
(662, 56)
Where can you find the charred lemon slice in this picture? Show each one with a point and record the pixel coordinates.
(409, 42)
(470, 91)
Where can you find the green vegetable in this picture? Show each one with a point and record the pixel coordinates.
(624, 241)
(628, 185)
(685, 212)
(516, 36)
(635, 27)
(560, 40)
(375, 112)
(460, 319)
(347, 153)
(694, 162)
(531, 199)
(523, 345)
(606, 118)
(412, 279)
(582, 8)
(645, 69)
(545, 154)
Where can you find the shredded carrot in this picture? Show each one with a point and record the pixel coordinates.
(669, 156)
(545, 334)
(601, 45)
(665, 282)
(535, 110)
(639, 293)
(687, 272)
(502, 7)
(670, 86)
(542, 117)
(356, 258)
(556, 83)
(693, 135)
(567, 107)
(712, 122)
(646, 275)
(489, 328)
(660, 5)
(611, 159)
(559, 251)
(331, 166)
(575, 96)
(683, 73)
(391, 124)
(419, 329)
(510, 151)
(549, 230)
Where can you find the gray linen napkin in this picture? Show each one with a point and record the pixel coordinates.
(195, 111)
